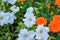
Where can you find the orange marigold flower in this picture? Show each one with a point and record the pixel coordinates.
(56, 18)
(21, 0)
(54, 26)
(41, 20)
(57, 2)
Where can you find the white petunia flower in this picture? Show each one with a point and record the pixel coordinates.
(10, 1)
(11, 18)
(30, 20)
(6, 18)
(42, 32)
(14, 9)
(29, 17)
(26, 35)
(3, 18)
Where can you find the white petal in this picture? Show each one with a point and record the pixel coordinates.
(47, 29)
(30, 9)
(38, 36)
(23, 31)
(31, 34)
(12, 1)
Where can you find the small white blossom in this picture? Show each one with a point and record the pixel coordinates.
(11, 17)
(10, 1)
(29, 17)
(14, 9)
(26, 35)
(42, 32)
(30, 20)
(3, 18)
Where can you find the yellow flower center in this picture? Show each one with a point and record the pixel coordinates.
(41, 31)
(26, 35)
(1, 17)
(15, 7)
(30, 19)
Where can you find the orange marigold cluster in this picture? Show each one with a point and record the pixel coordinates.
(54, 25)
(41, 20)
(57, 2)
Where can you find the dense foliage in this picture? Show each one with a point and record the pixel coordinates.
(42, 8)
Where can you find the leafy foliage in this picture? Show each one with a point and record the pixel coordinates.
(10, 32)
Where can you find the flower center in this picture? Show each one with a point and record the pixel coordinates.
(30, 19)
(41, 31)
(26, 35)
(15, 7)
(1, 17)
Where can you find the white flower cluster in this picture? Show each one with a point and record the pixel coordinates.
(41, 33)
(29, 18)
(10, 1)
(6, 18)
